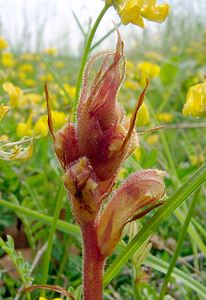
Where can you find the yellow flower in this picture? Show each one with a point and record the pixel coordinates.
(51, 51)
(3, 43)
(14, 92)
(156, 13)
(29, 82)
(143, 116)
(24, 129)
(133, 11)
(41, 126)
(26, 68)
(147, 70)
(137, 154)
(153, 139)
(196, 101)
(3, 111)
(165, 117)
(8, 60)
(31, 98)
(131, 85)
(70, 90)
(59, 64)
(46, 77)
(27, 56)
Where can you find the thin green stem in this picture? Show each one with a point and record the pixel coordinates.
(86, 53)
(179, 244)
(47, 255)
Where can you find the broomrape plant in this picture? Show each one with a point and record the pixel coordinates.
(90, 153)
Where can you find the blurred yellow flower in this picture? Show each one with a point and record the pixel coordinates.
(27, 56)
(59, 64)
(143, 116)
(197, 160)
(26, 68)
(70, 90)
(8, 60)
(137, 154)
(133, 11)
(3, 111)
(165, 117)
(14, 92)
(147, 70)
(31, 98)
(196, 101)
(29, 82)
(153, 139)
(24, 129)
(3, 43)
(41, 126)
(46, 77)
(131, 85)
(51, 51)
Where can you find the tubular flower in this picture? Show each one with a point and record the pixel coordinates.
(92, 151)
(196, 101)
(134, 11)
(144, 188)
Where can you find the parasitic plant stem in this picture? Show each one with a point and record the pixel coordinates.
(93, 264)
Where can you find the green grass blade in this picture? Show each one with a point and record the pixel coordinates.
(61, 225)
(162, 214)
(162, 266)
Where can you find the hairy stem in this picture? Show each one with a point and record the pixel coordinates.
(93, 264)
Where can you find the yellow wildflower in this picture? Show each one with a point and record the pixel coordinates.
(24, 129)
(137, 154)
(70, 90)
(31, 98)
(8, 60)
(29, 82)
(27, 56)
(143, 116)
(131, 85)
(153, 139)
(133, 11)
(197, 160)
(26, 68)
(14, 92)
(155, 13)
(165, 117)
(147, 70)
(59, 64)
(129, 65)
(51, 51)
(3, 43)
(46, 77)
(3, 111)
(196, 101)
(41, 126)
